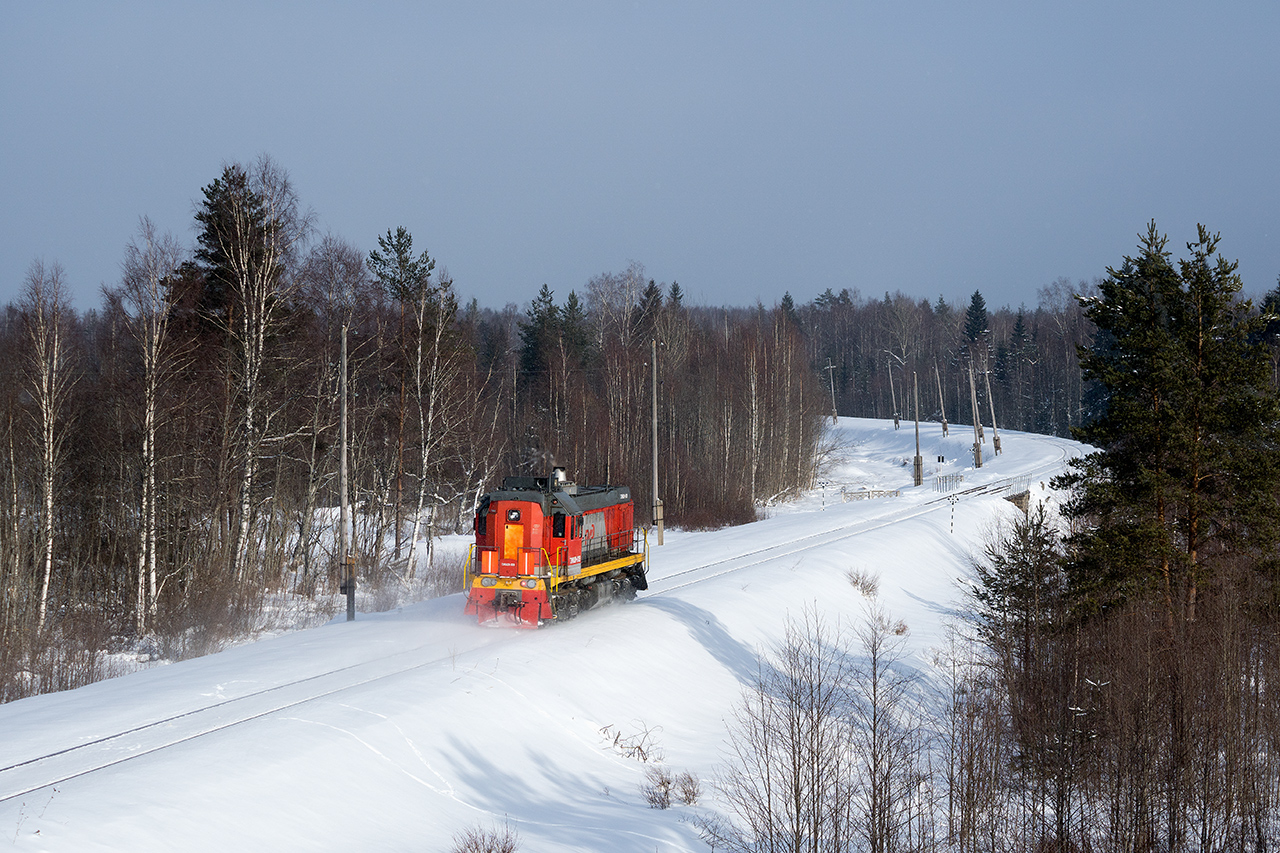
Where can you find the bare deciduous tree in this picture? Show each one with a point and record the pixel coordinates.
(887, 737)
(788, 782)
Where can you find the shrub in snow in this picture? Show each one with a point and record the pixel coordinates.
(657, 787)
(688, 789)
(865, 582)
(495, 839)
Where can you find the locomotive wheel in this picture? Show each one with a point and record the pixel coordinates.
(626, 590)
(565, 606)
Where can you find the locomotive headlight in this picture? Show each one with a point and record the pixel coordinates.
(530, 584)
(489, 581)
(513, 515)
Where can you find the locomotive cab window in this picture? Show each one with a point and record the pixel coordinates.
(557, 525)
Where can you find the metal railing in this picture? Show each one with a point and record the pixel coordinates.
(868, 494)
(947, 482)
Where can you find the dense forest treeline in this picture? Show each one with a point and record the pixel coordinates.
(879, 349)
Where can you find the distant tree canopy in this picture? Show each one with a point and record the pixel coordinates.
(1031, 353)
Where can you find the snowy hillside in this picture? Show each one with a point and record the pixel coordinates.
(398, 730)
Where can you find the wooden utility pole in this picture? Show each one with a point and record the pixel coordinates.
(831, 374)
(919, 466)
(977, 436)
(657, 502)
(348, 584)
(942, 403)
(991, 404)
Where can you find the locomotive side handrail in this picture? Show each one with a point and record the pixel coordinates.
(468, 576)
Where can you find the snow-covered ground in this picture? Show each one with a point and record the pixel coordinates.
(402, 728)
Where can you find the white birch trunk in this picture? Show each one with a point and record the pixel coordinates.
(45, 301)
(146, 267)
(753, 385)
(427, 420)
(14, 563)
(257, 253)
(422, 435)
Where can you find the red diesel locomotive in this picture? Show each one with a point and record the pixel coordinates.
(547, 548)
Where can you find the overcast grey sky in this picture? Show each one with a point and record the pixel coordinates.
(742, 149)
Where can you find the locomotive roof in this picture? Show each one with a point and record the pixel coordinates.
(560, 497)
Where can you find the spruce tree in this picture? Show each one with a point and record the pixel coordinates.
(538, 333)
(233, 227)
(644, 317)
(789, 308)
(941, 310)
(675, 297)
(575, 331)
(975, 319)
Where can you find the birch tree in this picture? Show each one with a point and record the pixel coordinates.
(252, 227)
(149, 262)
(46, 311)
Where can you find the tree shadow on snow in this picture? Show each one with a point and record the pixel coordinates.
(707, 630)
(554, 803)
(947, 611)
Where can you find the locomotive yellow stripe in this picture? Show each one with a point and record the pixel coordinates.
(601, 568)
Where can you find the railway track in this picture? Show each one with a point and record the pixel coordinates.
(696, 574)
(25, 776)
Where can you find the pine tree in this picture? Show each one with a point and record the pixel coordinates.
(398, 272)
(407, 280)
(252, 226)
(1186, 423)
(232, 224)
(1271, 314)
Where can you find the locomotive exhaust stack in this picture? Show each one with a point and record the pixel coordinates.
(546, 549)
